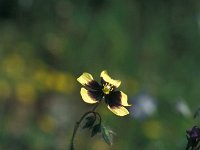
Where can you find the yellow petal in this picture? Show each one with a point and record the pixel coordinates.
(119, 111)
(86, 97)
(124, 99)
(85, 78)
(108, 79)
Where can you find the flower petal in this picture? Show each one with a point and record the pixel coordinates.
(120, 111)
(106, 78)
(116, 99)
(124, 99)
(86, 79)
(90, 97)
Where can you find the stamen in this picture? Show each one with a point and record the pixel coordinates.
(107, 88)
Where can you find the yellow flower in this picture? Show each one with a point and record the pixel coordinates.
(95, 92)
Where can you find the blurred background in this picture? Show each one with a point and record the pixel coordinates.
(153, 47)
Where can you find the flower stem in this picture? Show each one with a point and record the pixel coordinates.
(77, 125)
(95, 107)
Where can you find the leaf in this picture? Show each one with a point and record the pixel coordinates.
(89, 122)
(96, 129)
(107, 135)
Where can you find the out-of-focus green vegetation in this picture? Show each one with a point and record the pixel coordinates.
(45, 45)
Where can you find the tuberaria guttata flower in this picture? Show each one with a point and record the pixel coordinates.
(93, 92)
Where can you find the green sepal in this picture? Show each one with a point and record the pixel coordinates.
(107, 135)
(89, 122)
(96, 129)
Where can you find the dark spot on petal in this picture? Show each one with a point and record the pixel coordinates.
(94, 85)
(96, 95)
(113, 99)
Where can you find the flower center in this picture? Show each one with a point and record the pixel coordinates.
(107, 88)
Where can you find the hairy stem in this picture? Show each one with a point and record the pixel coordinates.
(77, 125)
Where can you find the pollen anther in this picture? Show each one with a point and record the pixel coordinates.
(107, 88)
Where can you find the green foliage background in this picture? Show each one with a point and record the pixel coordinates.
(46, 45)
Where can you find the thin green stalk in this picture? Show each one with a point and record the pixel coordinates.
(77, 125)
